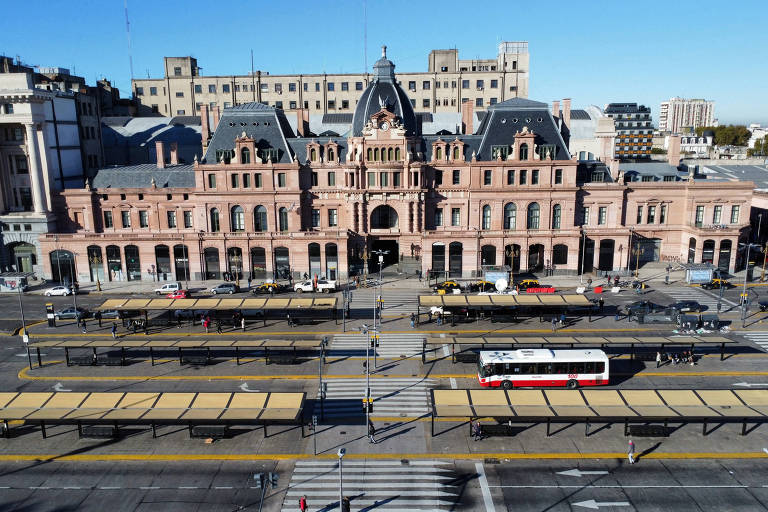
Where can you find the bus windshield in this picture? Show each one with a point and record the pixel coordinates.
(484, 370)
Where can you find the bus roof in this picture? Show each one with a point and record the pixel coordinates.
(540, 355)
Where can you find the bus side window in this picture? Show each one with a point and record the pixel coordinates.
(576, 368)
(600, 367)
(516, 369)
(528, 369)
(498, 369)
(589, 367)
(560, 368)
(544, 368)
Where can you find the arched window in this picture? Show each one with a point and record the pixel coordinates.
(383, 154)
(282, 215)
(486, 224)
(330, 155)
(215, 225)
(397, 153)
(313, 154)
(456, 152)
(370, 154)
(390, 152)
(556, 214)
(438, 153)
(533, 216)
(510, 216)
(376, 154)
(245, 156)
(523, 151)
(238, 218)
(260, 219)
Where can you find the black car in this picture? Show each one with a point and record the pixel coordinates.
(763, 305)
(687, 306)
(641, 307)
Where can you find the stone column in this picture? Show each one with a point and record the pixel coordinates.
(35, 174)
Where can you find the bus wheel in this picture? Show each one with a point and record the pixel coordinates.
(506, 384)
(572, 384)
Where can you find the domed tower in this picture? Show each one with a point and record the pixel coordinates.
(383, 93)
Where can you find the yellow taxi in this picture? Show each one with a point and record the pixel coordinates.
(446, 287)
(528, 283)
(716, 282)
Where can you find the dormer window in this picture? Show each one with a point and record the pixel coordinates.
(438, 153)
(245, 156)
(523, 151)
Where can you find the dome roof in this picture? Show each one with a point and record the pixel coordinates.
(384, 92)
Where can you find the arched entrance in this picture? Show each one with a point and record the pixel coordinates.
(95, 263)
(163, 261)
(258, 263)
(512, 257)
(391, 253)
(691, 250)
(211, 256)
(315, 268)
(586, 254)
(605, 259)
(114, 263)
(724, 258)
(535, 258)
(235, 262)
(282, 263)
(455, 261)
(132, 263)
(560, 254)
(181, 262)
(62, 266)
(331, 261)
(488, 255)
(23, 256)
(438, 259)
(384, 217)
(708, 251)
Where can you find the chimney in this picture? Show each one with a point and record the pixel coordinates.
(174, 153)
(204, 123)
(302, 122)
(467, 115)
(567, 112)
(673, 150)
(215, 117)
(556, 108)
(160, 150)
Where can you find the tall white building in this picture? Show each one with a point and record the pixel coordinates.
(680, 115)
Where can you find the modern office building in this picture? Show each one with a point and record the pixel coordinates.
(447, 83)
(679, 115)
(269, 200)
(634, 130)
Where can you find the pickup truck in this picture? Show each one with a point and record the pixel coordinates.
(323, 286)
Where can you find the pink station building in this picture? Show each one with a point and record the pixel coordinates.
(268, 200)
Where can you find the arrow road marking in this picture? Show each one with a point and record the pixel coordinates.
(749, 384)
(765, 450)
(59, 388)
(577, 472)
(244, 387)
(597, 504)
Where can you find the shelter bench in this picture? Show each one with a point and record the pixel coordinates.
(97, 431)
(648, 431)
(496, 429)
(208, 431)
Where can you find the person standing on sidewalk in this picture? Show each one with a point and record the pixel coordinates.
(413, 320)
(477, 431)
(97, 316)
(371, 431)
(85, 328)
(554, 324)
(658, 359)
(114, 331)
(601, 303)
(631, 452)
(242, 322)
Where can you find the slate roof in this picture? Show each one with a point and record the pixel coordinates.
(580, 115)
(140, 176)
(266, 125)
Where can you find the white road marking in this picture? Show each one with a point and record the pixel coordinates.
(484, 487)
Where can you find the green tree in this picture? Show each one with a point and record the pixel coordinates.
(730, 135)
(760, 149)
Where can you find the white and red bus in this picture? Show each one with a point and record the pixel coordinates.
(542, 367)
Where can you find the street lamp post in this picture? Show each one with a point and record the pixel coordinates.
(583, 254)
(744, 291)
(378, 303)
(364, 330)
(74, 280)
(24, 336)
(340, 454)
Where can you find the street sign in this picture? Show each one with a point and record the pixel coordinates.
(26, 339)
(314, 419)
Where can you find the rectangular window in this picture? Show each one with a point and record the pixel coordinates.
(331, 179)
(181, 112)
(585, 215)
(331, 86)
(663, 214)
(235, 180)
(480, 84)
(558, 176)
(412, 86)
(317, 105)
(455, 216)
(465, 84)
(179, 94)
(651, 219)
(177, 71)
(487, 177)
(602, 215)
(281, 179)
(153, 91)
(494, 84)
(344, 86)
(317, 86)
(125, 216)
(499, 151)
(225, 88)
(639, 219)
(279, 88)
(257, 180)
(717, 215)
(246, 180)
(425, 85)
(699, 216)
(306, 86)
(735, 214)
(438, 178)
(371, 179)
(292, 105)
(478, 102)
(21, 164)
(358, 86)
(438, 217)
(425, 103)
(212, 88)
(279, 104)
(313, 177)
(331, 105)
(494, 101)
(264, 87)
(523, 176)
(456, 177)
(292, 87)
(384, 177)
(344, 104)
(143, 219)
(535, 177)
(395, 179)
(510, 177)
(139, 91)
(333, 217)
(108, 220)
(171, 219)
(315, 218)
(187, 219)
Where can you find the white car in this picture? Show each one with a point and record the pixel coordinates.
(304, 286)
(58, 291)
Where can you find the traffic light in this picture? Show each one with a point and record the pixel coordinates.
(259, 479)
(273, 478)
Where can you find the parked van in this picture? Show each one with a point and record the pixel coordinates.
(168, 288)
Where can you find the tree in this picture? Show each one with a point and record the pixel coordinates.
(760, 149)
(730, 135)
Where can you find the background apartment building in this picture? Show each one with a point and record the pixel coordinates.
(634, 130)
(448, 82)
(679, 115)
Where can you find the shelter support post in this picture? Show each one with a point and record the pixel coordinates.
(179, 355)
(66, 355)
(423, 350)
(237, 355)
(122, 356)
(266, 358)
(42, 429)
(722, 351)
(704, 428)
(154, 430)
(265, 431)
(744, 427)
(151, 356)
(586, 427)
(39, 359)
(548, 432)
(632, 352)
(453, 353)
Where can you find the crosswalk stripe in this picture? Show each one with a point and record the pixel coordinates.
(399, 396)
(759, 338)
(390, 345)
(697, 294)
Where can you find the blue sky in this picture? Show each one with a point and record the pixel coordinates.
(592, 51)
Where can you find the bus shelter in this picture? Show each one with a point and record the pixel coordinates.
(516, 306)
(606, 406)
(152, 409)
(469, 346)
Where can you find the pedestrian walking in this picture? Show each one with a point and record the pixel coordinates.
(554, 324)
(562, 319)
(114, 331)
(206, 323)
(631, 452)
(371, 431)
(477, 431)
(439, 319)
(79, 320)
(85, 329)
(97, 316)
(303, 504)
(413, 320)
(242, 323)
(288, 318)
(346, 506)
(218, 326)
(601, 304)
(249, 283)
(658, 359)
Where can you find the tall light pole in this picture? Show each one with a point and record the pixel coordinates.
(744, 291)
(186, 260)
(378, 302)
(24, 336)
(583, 254)
(341, 453)
(74, 280)
(364, 330)
(58, 256)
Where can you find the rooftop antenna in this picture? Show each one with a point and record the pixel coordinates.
(365, 36)
(128, 33)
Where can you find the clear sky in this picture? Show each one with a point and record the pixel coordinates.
(594, 51)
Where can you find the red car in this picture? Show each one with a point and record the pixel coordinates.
(179, 294)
